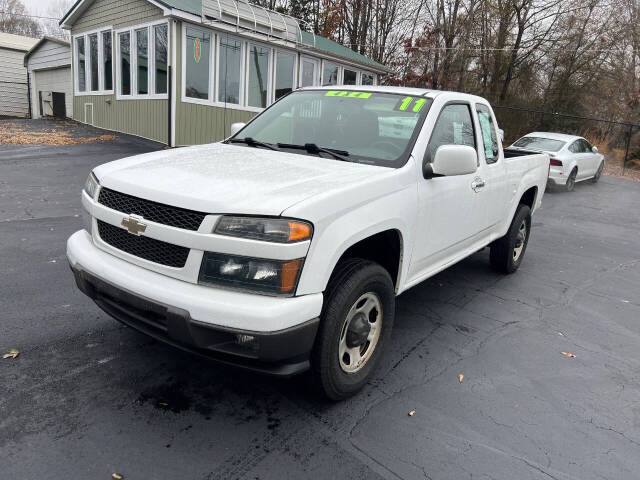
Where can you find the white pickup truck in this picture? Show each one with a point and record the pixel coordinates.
(282, 248)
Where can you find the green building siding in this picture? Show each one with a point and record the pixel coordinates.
(197, 123)
(145, 118)
(117, 14)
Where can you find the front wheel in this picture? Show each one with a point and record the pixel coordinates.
(356, 322)
(507, 252)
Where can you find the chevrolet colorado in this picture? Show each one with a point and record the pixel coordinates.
(282, 248)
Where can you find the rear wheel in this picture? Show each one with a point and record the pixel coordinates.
(356, 322)
(598, 174)
(571, 180)
(507, 252)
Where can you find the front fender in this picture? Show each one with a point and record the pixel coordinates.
(334, 234)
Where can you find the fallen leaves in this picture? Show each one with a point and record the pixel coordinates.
(568, 354)
(117, 476)
(11, 133)
(412, 413)
(12, 353)
(460, 377)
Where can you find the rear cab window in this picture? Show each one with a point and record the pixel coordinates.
(489, 135)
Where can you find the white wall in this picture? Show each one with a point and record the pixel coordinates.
(13, 83)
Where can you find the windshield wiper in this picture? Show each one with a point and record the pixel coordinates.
(313, 148)
(254, 143)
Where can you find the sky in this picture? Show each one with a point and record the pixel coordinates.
(43, 7)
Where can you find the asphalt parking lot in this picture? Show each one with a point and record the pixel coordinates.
(88, 397)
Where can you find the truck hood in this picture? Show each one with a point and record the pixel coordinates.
(221, 178)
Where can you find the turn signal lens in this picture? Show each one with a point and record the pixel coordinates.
(279, 230)
(299, 231)
(289, 275)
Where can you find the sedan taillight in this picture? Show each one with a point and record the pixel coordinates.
(555, 163)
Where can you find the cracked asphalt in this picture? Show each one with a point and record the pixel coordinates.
(88, 397)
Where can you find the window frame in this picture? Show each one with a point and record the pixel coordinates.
(87, 62)
(317, 72)
(151, 61)
(213, 55)
(270, 73)
(243, 75)
(338, 75)
(361, 73)
(152, 39)
(274, 71)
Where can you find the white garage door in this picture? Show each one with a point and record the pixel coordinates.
(49, 81)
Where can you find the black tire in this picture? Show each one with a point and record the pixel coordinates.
(351, 279)
(598, 174)
(571, 180)
(502, 256)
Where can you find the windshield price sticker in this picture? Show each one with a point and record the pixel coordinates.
(347, 93)
(410, 104)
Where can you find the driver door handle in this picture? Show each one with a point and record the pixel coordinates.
(477, 184)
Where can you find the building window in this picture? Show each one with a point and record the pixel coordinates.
(160, 58)
(143, 56)
(350, 77)
(142, 61)
(107, 61)
(285, 64)
(308, 75)
(329, 74)
(258, 76)
(92, 59)
(198, 55)
(93, 63)
(81, 65)
(125, 63)
(230, 65)
(367, 79)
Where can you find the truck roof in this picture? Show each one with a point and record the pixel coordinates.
(399, 90)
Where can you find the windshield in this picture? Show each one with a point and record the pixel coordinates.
(539, 143)
(366, 127)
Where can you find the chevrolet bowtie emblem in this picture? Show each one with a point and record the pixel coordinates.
(133, 224)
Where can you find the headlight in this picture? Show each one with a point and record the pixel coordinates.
(91, 185)
(280, 230)
(274, 277)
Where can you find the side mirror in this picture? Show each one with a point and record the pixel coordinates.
(236, 127)
(594, 149)
(451, 160)
(501, 135)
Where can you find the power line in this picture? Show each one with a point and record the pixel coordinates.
(29, 16)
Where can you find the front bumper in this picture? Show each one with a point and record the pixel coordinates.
(267, 334)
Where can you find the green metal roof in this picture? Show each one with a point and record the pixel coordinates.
(189, 6)
(334, 48)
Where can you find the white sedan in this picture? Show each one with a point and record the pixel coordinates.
(573, 159)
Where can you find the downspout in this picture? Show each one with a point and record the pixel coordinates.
(29, 93)
(169, 103)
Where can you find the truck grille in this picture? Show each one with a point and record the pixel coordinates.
(144, 247)
(153, 211)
